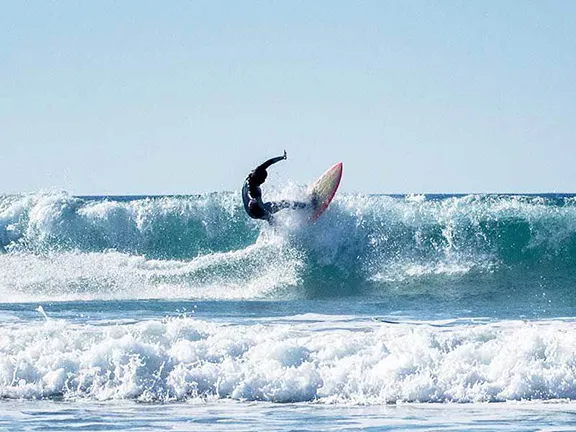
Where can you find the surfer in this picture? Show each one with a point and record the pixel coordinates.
(252, 194)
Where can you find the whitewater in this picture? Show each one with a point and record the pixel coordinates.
(407, 312)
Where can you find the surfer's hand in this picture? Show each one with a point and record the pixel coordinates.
(285, 156)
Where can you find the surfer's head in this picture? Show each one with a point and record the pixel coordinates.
(259, 176)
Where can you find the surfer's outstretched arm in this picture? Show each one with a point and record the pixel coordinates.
(272, 161)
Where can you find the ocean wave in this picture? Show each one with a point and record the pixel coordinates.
(158, 227)
(206, 247)
(376, 363)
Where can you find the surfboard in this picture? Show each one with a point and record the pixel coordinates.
(322, 191)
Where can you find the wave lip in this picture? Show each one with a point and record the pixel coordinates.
(189, 359)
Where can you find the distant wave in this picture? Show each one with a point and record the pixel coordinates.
(61, 246)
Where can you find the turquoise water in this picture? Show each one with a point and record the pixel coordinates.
(391, 312)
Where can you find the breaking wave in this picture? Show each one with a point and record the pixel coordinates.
(60, 246)
(367, 363)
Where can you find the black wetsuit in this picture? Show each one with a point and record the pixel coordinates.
(252, 194)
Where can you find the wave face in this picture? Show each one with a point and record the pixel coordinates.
(368, 363)
(60, 246)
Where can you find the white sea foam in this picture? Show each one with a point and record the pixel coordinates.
(253, 272)
(187, 359)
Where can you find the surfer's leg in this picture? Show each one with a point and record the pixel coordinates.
(300, 205)
(274, 207)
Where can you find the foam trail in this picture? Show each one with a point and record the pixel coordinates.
(255, 272)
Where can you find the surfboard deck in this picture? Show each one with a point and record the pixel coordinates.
(322, 191)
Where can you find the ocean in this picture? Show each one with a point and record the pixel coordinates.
(404, 312)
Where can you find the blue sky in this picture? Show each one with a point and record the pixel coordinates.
(138, 97)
